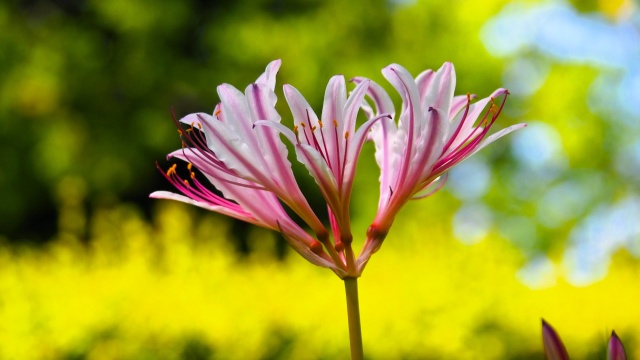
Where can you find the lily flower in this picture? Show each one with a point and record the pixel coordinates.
(435, 131)
(329, 148)
(249, 165)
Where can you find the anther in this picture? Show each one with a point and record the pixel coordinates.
(346, 135)
(186, 182)
(189, 166)
(320, 123)
(295, 129)
(335, 122)
(303, 125)
(313, 128)
(193, 175)
(217, 112)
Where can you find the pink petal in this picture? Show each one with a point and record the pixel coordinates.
(553, 347)
(240, 215)
(269, 76)
(615, 350)
(380, 98)
(441, 90)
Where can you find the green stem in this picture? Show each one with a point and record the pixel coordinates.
(353, 311)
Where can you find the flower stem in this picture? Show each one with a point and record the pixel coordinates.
(353, 311)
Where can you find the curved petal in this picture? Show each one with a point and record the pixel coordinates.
(269, 76)
(303, 115)
(440, 92)
(321, 173)
(431, 188)
(244, 216)
(380, 98)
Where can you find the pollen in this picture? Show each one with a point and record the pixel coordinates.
(303, 125)
(313, 128)
(320, 124)
(494, 109)
(346, 135)
(295, 129)
(172, 170)
(193, 175)
(189, 166)
(335, 122)
(186, 182)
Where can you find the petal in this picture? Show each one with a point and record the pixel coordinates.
(303, 115)
(497, 136)
(380, 98)
(244, 216)
(196, 118)
(350, 111)
(410, 119)
(615, 350)
(234, 152)
(321, 173)
(553, 347)
(440, 92)
(429, 147)
(431, 188)
(424, 81)
(290, 135)
(268, 78)
(334, 101)
(355, 146)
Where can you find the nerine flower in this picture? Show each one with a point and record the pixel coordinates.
(248, 164)
(239, 151)
(435, 131)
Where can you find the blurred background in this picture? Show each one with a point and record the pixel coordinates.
(543, 224)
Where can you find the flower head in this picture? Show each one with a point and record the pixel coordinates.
(435, 131)
(249, 165)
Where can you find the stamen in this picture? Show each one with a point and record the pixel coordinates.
(186, 182)
(189, 166)
(172, 170)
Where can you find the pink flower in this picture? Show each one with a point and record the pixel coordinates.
(435, 131)
(329, 148)
(249, 165)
